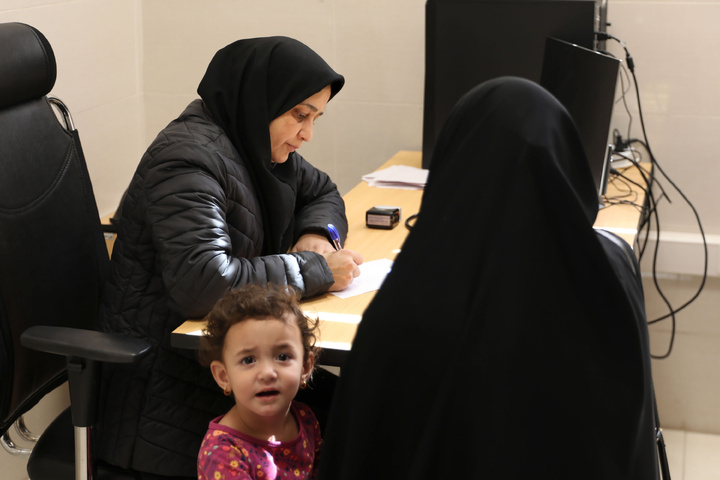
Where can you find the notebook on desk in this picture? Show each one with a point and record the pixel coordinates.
(584, 81)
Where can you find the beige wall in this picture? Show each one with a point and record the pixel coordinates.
(687, 383)
(377, 45)
(127, 67)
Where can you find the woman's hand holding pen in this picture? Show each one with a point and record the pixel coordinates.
(344, 267)
(342, 263)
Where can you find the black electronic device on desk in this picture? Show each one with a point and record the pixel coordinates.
(385, 217)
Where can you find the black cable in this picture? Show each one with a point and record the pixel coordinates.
(650, 181)
(646, 144)
(409, 225)
(619, 176)
(702, 234)
(623, 96)
(623, 76)
(659, 289)
(646, 223)
(625, 194)
(647, 212)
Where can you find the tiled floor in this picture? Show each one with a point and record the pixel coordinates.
(692, 456)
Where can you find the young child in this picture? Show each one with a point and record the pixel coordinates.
(260, 349)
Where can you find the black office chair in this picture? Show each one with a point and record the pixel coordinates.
(53, 263)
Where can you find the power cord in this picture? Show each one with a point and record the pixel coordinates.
(653, 210)
(410, 221)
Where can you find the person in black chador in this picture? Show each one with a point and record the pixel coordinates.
(509, 341)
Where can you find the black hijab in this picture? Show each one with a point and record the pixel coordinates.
(503, 343)
(248, 84)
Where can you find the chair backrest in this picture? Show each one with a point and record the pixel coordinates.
(53, 259)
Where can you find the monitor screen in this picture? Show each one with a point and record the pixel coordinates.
(470, 41)
(584, 81)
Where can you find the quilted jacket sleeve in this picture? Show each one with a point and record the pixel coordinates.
(187, 205)
(318, 202)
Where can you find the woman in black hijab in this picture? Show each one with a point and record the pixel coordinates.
(220, 199)
(509, 341)
(247, 85)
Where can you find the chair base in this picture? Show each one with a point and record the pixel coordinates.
(53, 457)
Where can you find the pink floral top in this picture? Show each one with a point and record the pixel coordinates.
(227, 454)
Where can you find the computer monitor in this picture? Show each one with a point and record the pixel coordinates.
(584, 81)
(470, 41)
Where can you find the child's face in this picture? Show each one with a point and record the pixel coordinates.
(263, 364)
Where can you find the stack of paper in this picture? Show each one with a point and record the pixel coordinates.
(398, 176)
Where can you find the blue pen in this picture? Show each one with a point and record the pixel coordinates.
(334, 236)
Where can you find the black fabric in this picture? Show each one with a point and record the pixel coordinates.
(191, 229)
(247, 85)
(505, 343)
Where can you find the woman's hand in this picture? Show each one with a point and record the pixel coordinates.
(344, 267)
(313, 242)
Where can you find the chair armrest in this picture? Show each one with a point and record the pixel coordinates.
(87, 344)
(85, 352)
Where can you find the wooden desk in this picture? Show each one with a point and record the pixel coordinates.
(339, 317)
(623, 219)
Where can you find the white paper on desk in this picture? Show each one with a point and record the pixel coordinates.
(372, 274)
(398, 176)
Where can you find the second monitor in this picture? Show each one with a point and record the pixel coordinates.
(584, 81)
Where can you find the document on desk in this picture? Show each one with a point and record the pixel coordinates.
(398, 176)
(372, 275)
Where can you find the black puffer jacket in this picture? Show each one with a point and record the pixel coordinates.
(190, 230)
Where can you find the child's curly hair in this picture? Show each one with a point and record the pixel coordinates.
(257, 302)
